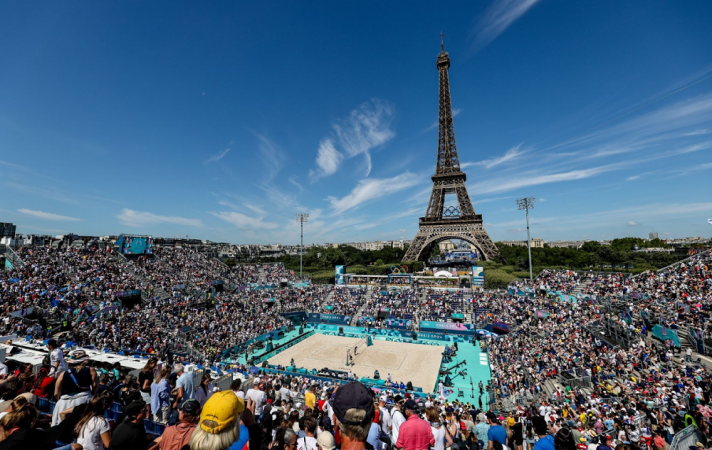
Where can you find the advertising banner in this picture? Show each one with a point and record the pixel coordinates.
(339, 272)
(295, 316)
(478, 276)
(336, 319)
(431, 336)
(398, 324)
(124, 294)
(501, 327)
(449, 327)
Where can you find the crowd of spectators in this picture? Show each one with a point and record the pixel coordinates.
(633, 394)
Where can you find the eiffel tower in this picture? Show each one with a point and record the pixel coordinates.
(443, 221)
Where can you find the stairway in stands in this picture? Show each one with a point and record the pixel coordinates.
(581, 288)
(354, 319)
(327, 300)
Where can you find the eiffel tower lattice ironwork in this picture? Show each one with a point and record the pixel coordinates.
(444, 221)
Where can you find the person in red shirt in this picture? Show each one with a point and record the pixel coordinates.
(44, 385)
(321, 402)
(581, 445)
(415, 433)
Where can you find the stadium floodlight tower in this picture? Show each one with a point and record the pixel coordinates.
(301, 218)
(526, 204)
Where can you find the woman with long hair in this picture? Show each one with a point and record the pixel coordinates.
(93, 430)
(284, 439)
(145, 378)
(17, 426)
(26, 377)
(16, 405)
(564, 440)
(205, 389)
(161, 396)
(44, 384)
(441, 435)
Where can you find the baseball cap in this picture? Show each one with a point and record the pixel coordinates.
(353, 395)
(221, 411)
(31, 398)
(410, 404)
(256, 381)
(190, 407)
(134, 408)
(383, 398)
(326, 441)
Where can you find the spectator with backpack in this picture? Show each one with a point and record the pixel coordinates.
(397, 418)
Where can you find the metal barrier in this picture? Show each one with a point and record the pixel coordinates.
(685, 438)
(15, 260)
(223, 382)
(577, 383)
(152, 428)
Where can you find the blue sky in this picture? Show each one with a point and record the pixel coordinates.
(221, 120)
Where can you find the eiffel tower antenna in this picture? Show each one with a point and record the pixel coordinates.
(443, 221)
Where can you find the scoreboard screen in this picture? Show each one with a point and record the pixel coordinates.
(135, 245)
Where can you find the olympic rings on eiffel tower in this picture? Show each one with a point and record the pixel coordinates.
(399, 269)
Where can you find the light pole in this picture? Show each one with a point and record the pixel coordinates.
(301, 218)
(526, 204)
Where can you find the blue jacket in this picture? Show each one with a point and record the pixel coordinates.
(160, 393)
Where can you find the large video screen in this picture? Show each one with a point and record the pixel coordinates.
(135, 245)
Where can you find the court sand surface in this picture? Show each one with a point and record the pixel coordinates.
(405, 362)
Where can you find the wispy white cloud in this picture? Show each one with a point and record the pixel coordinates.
(271, 155)
(510, 155)
(47, 216)
(52, 194)
(217, 157)
(633, 224)
(293, 180)
(245, 222)
(365, 129)
(612, 218)
(255, 209)
(455, 112)
(13, 165)
(509, 183)
(694, 148)
(132, 218)
(328, 160)
(497, 18)
(492, 199)
(372, 188)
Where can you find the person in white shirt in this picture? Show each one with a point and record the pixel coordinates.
(3, 371)
(256, 395)
(235, 387)
(384, 417)
(397, 418)
(56, 358)
(308, 442)
(282, 393)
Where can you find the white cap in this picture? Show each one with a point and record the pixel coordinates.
(256, 380)
(383, 398)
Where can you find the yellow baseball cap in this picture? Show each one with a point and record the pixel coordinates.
(221, 411)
